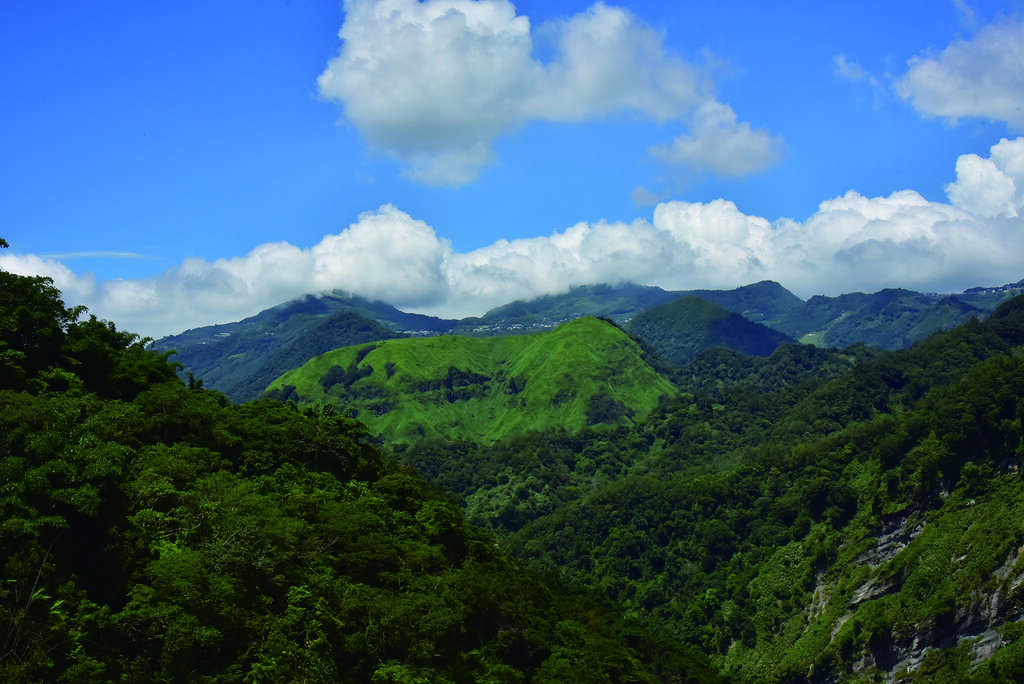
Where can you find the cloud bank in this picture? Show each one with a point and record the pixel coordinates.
(850, 243)
(982, 77)
(434, 83)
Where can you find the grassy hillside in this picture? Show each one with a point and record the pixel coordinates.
(587, 372)
(679, 331)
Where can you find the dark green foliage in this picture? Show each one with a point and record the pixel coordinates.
(33, 323)
(789, 366)
(345, 377)
(151, 531)
(680, 330)
(43, 346)
(795, 514)
(602, 408)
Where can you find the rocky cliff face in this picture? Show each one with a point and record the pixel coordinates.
(976, 625)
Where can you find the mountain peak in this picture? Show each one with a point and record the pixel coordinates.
(682, 329)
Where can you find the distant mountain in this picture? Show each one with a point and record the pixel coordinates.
(765, 302)
(890, 319)
(584, 373)
(989, 298)
(759, 302)
(618, 302)
(682, 329)
(241, 359)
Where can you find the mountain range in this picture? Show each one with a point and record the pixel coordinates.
(242, 358)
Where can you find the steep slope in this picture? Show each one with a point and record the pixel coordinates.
(679, 331)
(586, 372)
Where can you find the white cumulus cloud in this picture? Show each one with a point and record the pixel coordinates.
(434, 83)
(850, 243)
(723, 145)
(994, 186)
(981, 77)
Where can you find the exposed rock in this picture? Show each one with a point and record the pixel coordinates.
(873, 588)
(897, 531)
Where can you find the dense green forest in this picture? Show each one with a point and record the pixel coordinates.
(810, 516)
(153, 531)
(816, 514)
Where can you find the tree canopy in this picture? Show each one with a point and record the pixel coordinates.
(151, 530)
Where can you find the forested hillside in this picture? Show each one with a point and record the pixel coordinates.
(680, 330)
(812, 516)
(152, 531)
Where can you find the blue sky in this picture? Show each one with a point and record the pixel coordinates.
(177, 164)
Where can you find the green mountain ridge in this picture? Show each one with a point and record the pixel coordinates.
(763, 302)
(680, 330)
(585, 372)
(890, 319)
(618, 302)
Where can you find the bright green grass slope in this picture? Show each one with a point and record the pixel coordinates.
(586, 372)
